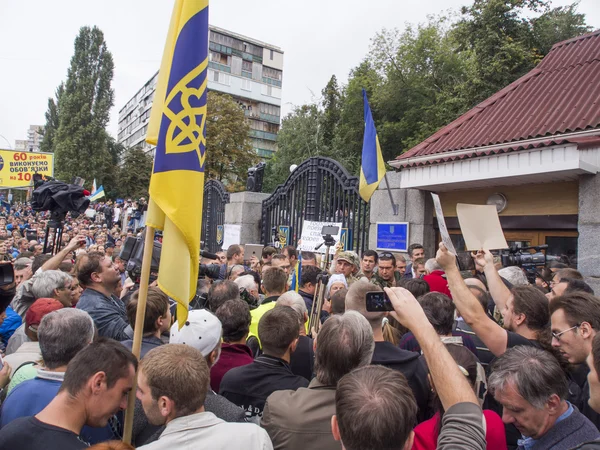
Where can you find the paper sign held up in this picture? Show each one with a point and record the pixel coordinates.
(480, 226)
(439, 215)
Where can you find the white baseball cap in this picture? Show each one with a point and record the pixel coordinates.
(202, 330)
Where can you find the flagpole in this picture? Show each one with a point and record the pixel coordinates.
(394, 206)
(139, 327)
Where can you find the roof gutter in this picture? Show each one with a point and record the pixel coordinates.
(419, 160)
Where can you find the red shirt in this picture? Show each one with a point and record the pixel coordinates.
(437, 283)
(426, 435)
(232, 355)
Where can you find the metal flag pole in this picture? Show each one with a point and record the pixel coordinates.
(394, 205)
(139, 327)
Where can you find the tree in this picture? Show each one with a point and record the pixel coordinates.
(556, 25)
(52, 121)
(348, 141)
(81, 141)
(299, 138)
(134, 174)
(331, 110)
(229, 153)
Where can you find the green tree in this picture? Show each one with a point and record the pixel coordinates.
(52, 121)
(299, 138)
(81, 141)
(556, 25)
(229, 153)
(348, 141)
(134, 174)
(331, 111)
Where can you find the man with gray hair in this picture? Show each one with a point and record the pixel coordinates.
(435, 278)
(303, 359)
(53, 284)
(345, 342)
(61, 334)
(532, 387)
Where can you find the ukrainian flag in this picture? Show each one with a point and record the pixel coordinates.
(372, 168)
(97, 194)
(177, 128)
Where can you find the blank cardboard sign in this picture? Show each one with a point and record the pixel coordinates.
(480, 227)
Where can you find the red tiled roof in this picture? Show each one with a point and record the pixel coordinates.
(561, 95)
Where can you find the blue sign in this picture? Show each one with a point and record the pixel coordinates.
(392, 236)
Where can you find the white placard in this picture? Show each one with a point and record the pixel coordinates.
(480, 226)
(231, 235)
(311, 236)
(439, 215)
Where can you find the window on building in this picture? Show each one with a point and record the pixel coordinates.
(246, 84)
(271, 56)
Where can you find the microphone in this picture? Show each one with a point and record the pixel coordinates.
(207, 254)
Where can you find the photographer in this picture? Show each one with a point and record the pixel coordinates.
(374, 408)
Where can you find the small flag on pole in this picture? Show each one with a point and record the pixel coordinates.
(97, 194)
(372, 169)
(177, 128)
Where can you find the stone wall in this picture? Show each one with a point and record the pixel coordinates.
(414, 206)
(588, 254)
(245, 209)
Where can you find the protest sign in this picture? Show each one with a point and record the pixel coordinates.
(17, 168)
(311, 236)
(480, 226)
(439, 214)
(232, 235)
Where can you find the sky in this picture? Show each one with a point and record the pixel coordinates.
(319, 38)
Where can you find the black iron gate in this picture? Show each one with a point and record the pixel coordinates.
(213, 215)
(321, 190)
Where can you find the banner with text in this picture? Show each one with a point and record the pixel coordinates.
(311, 236)
(17, 168)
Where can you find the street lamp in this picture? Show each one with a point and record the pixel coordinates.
(7, 141)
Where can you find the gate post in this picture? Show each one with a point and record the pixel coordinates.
(245, 209)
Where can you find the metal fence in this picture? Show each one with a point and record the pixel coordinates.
(213, 215)
(321, 190)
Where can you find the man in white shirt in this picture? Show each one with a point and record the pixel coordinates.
(166, 400)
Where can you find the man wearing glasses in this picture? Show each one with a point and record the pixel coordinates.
(386, 275)
(575, 320)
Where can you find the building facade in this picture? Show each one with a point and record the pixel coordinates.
(532, 150)
(249, 70)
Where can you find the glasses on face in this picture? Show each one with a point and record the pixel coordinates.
(558, 335)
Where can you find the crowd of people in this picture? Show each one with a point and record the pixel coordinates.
(459, 360)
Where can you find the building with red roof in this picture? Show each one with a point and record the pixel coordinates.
(532, 149)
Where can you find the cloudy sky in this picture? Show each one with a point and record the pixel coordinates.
(319, 38)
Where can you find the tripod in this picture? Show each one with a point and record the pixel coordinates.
(56, 223)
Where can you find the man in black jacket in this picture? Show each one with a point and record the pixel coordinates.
(249, 386)
(387, 354)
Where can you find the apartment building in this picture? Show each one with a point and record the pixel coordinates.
(249, 70)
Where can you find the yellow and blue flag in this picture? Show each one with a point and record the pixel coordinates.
(177, 128)
(372, 169)
(97, 194)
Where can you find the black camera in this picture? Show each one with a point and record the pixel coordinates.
(209, 271)
(378, 302)
(133, 252)
(528, 261)
(328, 240)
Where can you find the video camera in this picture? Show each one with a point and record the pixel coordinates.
(133, 252)
(328, 240)
(523, 258)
